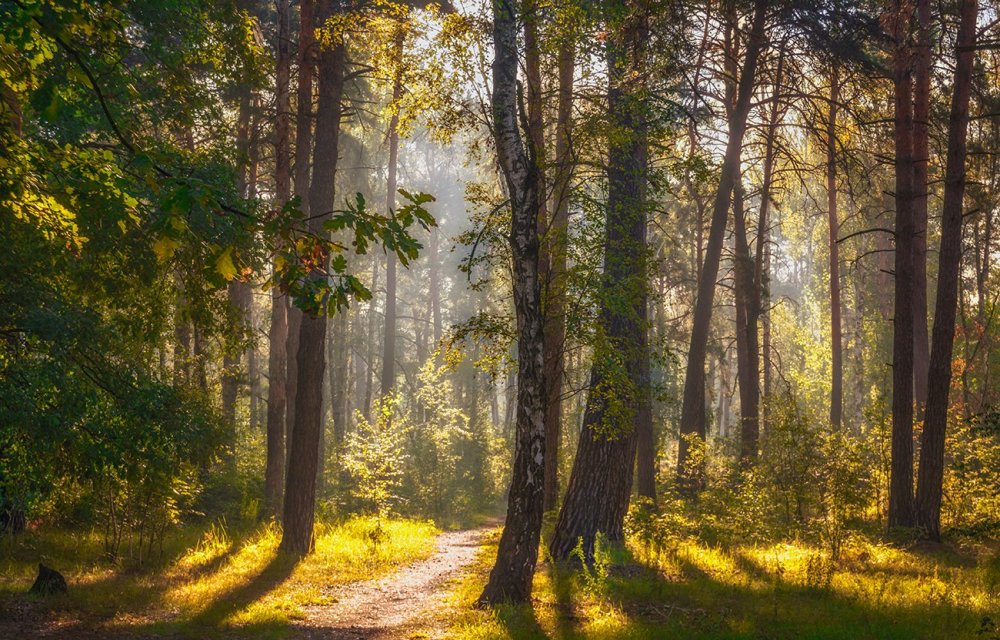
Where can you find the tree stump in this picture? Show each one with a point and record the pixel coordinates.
(49, 582)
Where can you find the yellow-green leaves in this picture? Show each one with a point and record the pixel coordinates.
(224, 264)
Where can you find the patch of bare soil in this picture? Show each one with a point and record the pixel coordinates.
(409, 603)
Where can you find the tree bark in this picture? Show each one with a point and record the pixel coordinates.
(389, 338)
(901, 471)
(930, 472)
(597, 494)
(274, 468)
(692, 427)
(747, 352)
(836, 339)
(511, 577)
(300, 487)
(757, 313)
(303, 149)
(921, 153)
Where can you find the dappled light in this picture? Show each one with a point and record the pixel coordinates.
(562, 319)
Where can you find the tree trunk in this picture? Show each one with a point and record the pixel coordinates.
(757, 313)
(901, 472)
(300, 487)
(747, 353)
(930, 473)
(435, 286)
(274, 468)
(836, 340)
(597, 494)
(921, 153)
(303, 149)
(511, 577)
(389, 339)
(692, 427)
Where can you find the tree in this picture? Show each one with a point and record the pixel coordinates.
(511, 576)
(836, 339)
(692, 427)
(597, 494)
(901, 473)
(930, 472)
(300, 485)
(274, 470)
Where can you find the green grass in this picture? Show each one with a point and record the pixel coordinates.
(790, 590)
(210, 582)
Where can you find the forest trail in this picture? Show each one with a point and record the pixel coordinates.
(399, 605)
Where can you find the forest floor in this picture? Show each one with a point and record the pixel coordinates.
(420, 583)
(792, 590)
(408, 603)
(211, 583)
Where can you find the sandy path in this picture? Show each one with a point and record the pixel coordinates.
(398, 605)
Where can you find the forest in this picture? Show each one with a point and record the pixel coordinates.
(500, 319)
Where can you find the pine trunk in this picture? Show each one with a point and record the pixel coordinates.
(600, 484)
(921, 153)
(692, 428)
(930, 473)
(901, 471)
(836, 340)
(300, 487)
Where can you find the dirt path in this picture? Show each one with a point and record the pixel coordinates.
(399, 605)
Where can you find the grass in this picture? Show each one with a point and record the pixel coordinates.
(211, 582)
(788, 590)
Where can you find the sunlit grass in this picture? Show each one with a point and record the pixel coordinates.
(214, 580)
(787, 590)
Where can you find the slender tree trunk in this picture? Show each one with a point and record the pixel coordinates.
(757, 313)
(370, 346)
(511, 577)
(836, 339)
(300, 487)
(303, 149)
(901, 472)
(747, 352)
(238, 291)
(339, 378)
(692, 428)
(921, 153)
(389, 339)
(600, 484)
(274, 468)
(930, 473)
(435, 286)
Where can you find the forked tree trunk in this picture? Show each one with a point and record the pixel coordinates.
(511, 577)
(930, 473)
(300, 488)
(600, 484)
(692, 427)
(836, 340)
(901, 471)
